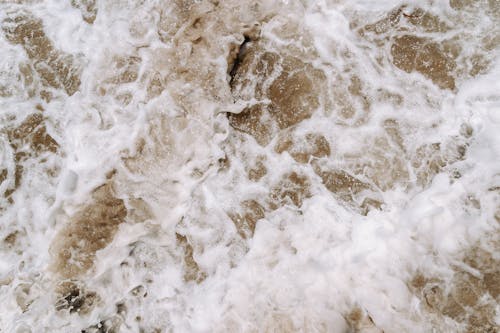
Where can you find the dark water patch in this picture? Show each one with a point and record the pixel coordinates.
(192, 271)
(360, 321)
(75, 298)
(88, 8)
(258, 169)
(28, 141)
(284, 87)
(246, 217)
(303, 148)
(91, 229)
(412, 53)
(468, 299)
(350, 190)
(291, 190)
(55, 68)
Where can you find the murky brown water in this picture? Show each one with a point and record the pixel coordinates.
(210, 166)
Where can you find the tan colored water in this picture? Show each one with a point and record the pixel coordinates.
(249, 166)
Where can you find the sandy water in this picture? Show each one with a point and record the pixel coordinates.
(249, 166)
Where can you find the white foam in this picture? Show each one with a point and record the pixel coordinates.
(305, 268)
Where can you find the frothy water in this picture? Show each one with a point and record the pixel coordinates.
(249, 166)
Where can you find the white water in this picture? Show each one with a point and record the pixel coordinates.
(165, 129)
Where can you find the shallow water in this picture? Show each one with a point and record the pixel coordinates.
(249, 166)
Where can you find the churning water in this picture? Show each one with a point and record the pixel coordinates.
(249, 166)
